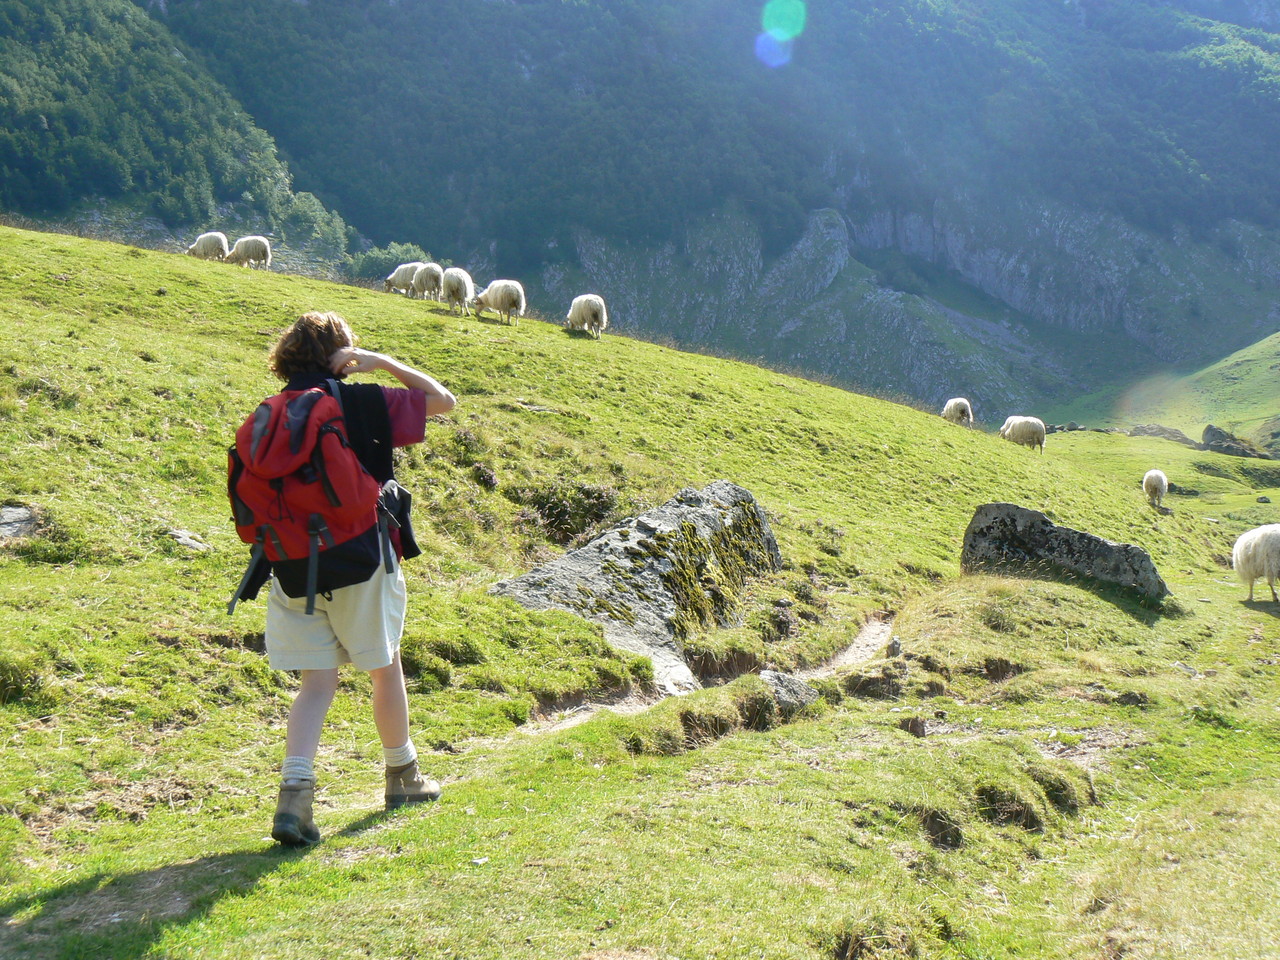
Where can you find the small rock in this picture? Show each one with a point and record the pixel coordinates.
(940, 714)
(894, 649)
(480, 861)
(191, 541)
(17, 522)
(790, 694)
(913, 725)
(1264, 499)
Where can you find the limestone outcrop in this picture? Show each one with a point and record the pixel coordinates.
(654, 580)
(1220, 441)
(1004, 536)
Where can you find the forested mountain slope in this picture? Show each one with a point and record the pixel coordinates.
(1013, 201)
(98, 101)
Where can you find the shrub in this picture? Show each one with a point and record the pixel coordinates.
(377, 262)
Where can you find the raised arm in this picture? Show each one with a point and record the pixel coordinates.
(354, 360)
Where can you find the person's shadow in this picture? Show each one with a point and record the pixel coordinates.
(121, 915)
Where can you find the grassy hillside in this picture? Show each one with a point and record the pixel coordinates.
(1098, 780)
(1237, 393)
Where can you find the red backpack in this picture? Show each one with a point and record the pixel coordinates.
(300, 494)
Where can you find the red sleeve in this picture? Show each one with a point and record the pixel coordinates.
(408, 411)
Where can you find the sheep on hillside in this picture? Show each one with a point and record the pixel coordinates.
(456, 286)
(958, 410)
(401, 278)
(1024, 431)
(251, 250)
(1257, 554)
(1155, 485)
(506, 297)
(209, 246)
(426, 281)
(587, 313)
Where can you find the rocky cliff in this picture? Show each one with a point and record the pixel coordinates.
(1021, 301)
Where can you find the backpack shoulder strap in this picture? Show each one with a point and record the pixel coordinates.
(337, 395)
(369, 427)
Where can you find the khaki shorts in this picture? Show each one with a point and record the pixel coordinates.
(361, 624)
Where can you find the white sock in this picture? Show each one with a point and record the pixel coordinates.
(297, 768)
(400, 756)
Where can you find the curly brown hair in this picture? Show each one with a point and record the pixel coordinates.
(309, 343)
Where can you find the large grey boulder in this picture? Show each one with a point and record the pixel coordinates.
(1158, 430)
(659, 578)
(1006, 536)
(1220, 441)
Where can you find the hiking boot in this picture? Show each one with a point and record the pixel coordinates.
(407, 785)
(293, 825)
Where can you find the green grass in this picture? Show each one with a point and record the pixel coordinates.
(1098, 779)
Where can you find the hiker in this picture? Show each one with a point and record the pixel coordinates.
(314, 627)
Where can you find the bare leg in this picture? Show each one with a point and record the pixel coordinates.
(306, 716)
(390, 704)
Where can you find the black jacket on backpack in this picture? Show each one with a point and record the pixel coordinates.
(369, 430)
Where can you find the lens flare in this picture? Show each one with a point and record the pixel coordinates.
(783, 19)
(773, 52)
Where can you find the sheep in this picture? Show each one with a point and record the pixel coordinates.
(1155, 485)
(209, 246)
(1257, 554)
(456, 286)
(505, 297)
(958, 410)
(1024, 431)
(251, 250)
(587, 313)
(401, 278)
(426, 280)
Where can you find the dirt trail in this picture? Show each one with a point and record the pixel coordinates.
(873, 635)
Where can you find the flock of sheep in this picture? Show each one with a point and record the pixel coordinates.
(1256, 554)
(454, 287)
(246, 252)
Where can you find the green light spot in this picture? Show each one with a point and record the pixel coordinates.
(784, 19)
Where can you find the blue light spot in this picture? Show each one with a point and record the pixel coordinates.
(773, 52)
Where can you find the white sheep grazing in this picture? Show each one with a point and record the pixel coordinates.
(587, 313)
(506, 297)
(426, 281)
(1024, 431)
(958, 410)
(209, 246)
(456, 286)
(1257, 554)
(251, 250)
(1155, 485)
(401, 278)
